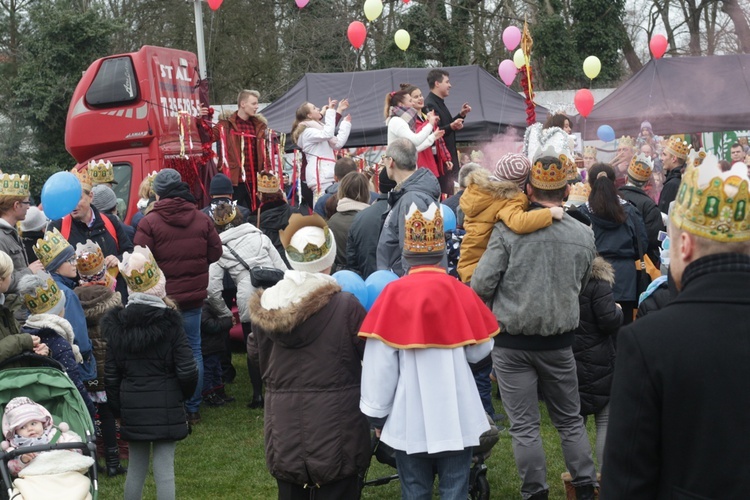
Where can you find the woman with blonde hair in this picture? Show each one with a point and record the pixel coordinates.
(314, 131)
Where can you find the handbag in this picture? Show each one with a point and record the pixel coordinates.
(260, 277)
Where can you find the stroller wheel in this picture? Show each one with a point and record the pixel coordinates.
(479, 489)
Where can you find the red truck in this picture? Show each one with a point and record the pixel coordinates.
(138, 111)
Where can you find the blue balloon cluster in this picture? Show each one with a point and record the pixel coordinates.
(368, 290)
(449, 218)
(60, 195)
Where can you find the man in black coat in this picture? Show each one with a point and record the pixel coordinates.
(639, 173)
(680, 401)
(673, 157)
(440, 87)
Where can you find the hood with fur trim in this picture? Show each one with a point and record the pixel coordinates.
(97, 300)
(282, 324)
(59, 325)
(602, 270)
(481, 192)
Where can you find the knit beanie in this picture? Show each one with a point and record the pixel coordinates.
(165, 180)
(104, 198)
(385, 184)
(513, 167)
(19, 412)
(35, 220)
(220, 184)
(646, 124)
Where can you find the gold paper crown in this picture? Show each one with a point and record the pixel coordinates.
(101, 172)
(677, 147)
(150, 177)
(268, 182)
(14, 185)
(713, 204)
(50, 246)
(43, 298)
(550, 175)
(640, 167)
(89, 258)
(140, 281)
(579, 193)
(626, 141)
(311, 252)
(223, 220)
(590, 151)
(423, 231)
(695, 158)
(82, 174)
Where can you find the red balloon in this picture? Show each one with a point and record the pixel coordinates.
(357, 34)
(584, 102)
(214, 4)
(658, 45)
(406, 1)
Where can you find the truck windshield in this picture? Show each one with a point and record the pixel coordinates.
(114, 84)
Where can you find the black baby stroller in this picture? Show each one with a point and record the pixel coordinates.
(45, 381)
(479, 485)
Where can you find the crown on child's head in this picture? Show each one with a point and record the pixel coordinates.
(713, 204)
(101, 172)
(43, 298)
(268, 182)
(640, 167)
(50, 246)
(14, 185)
(423, 231)
(224, 218)
(140, 279)
(677, 147)
(89, 258)
(589, 151)
(579, 194)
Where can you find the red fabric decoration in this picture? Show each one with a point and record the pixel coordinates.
(530, 108)
(450, 314)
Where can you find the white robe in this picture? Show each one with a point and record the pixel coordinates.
(429, 396)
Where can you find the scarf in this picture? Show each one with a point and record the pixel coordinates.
(318, 126)
(145, 299)
(23, 442)
(346, 204)
(409, 115)
(179, 190)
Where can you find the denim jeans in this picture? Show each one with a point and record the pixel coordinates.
(211, 373)
(191, 320)
(484, 386)
(417, 473)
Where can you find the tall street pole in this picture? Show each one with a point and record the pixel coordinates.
(199, 38)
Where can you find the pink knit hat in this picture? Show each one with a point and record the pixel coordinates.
(513, 167)
(19, 412)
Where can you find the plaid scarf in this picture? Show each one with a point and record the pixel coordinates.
(409, 115)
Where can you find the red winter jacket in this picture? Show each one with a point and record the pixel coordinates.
(184, 242)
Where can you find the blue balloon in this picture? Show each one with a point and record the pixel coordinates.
(375, 284)
(60, 195)
(605, 133)
(352, 282)
(449, 218)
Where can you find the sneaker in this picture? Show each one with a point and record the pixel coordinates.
(213, 399)
(224, 396)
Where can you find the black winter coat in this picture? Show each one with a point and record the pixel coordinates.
(214, 331)
(594, 346)
(678, 422)
(362, 242)
(149, 372)
(670, 188)
(651, 218)
(659, 298)
(274, 216)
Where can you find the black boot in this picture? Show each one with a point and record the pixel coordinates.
(585, 492)
(542, 495)
(112, 458)
(256, 402)
(223, 395)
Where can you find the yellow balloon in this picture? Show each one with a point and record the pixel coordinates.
(518, 59)
(402, 39)
(592, 66)
(373, 8)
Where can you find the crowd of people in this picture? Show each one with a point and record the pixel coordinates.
(551, 257)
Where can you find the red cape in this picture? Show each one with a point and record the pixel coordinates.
(429, 308)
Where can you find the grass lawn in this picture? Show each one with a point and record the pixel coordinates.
(224, 457)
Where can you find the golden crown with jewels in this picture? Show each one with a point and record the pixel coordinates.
(713, 204)
(89, 258)
(640, 167)
(589, 151)
(101, 172)
(626, 142)
(677, 147)
(43, 298)
(50, 246)
(268, 182)
(550, 175)
(14, 185)
(140, 280)
(226, 218)
(82, 173)
(579, 193)
(423, 231)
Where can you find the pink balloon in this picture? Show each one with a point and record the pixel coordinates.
(214, 4)
(584, 102)
(301, 3)
(507, 71)
(357, 34)
(511, 37)
(658, 45)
